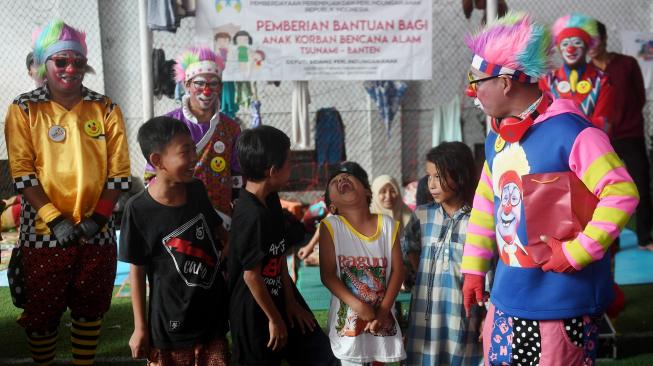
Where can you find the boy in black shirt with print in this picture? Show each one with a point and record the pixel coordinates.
(262, 293)
(171, 233)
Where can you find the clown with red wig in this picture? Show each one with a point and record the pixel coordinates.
(68, 157)
(215, 134)
(575, 35)
(543, 308)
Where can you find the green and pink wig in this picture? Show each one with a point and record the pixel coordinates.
(512, 45)
(576, 25)
(54, 37)
(197, 60)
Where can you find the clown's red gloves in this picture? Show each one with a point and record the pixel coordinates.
(473, 291)
(558, 261)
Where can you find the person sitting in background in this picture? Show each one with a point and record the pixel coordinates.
(310, 253)
(386, 199)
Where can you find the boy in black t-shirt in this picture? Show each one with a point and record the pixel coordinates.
(262, 294)
(171, 233)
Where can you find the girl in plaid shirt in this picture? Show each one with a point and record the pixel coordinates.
(438, 331)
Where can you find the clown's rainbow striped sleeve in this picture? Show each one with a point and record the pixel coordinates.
(594, 161)
(480, 241)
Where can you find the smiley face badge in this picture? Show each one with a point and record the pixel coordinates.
(499, 144)
(218, 164)
(93, 128)
(584, 87)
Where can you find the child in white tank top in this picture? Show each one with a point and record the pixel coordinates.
(361, 264)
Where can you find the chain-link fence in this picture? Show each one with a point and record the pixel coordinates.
(114, 51)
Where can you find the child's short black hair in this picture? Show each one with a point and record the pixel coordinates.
(261, 148)
(155, 134)
(600, 27)
(353, 169)
(455, 160)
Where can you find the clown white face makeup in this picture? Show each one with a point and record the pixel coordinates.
(67, 78)
(204, 91)
(573, 50)
(478, 104)
(509, 212)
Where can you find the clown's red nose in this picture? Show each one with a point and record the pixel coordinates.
(571, 49)
(470, 92)
(507, 208)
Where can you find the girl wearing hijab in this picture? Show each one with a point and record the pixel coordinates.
(386, 199)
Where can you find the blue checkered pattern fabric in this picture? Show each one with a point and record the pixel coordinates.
(438, 331)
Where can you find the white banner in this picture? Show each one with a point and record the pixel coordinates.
(319, 39)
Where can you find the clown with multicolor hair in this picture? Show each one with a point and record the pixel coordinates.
(215, 135)
(575, 35)
(68, 157)
(543, 309)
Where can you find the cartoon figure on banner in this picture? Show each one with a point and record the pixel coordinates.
(221, 41)
(237, 5)
(258, 57)
(242, 42)
(508, 168)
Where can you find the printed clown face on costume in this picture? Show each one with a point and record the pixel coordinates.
(204, 91)
(509, 213)
(64, 71)
(573, 50)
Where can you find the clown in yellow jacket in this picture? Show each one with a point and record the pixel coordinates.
(68, 157)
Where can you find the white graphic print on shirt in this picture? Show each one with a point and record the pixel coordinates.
(193, 252)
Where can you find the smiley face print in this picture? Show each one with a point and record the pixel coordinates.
(218, 164)
(93, 128)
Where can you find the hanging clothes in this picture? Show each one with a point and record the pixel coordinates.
(300, 126)
(387, 95)
(163, 75)
(329, 137)
(256, 114)
(243, 94)
(162, 15)
(186, 8)
(255, 107)
(446, 122)
(228, 103)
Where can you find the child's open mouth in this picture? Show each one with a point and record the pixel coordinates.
(345, 185)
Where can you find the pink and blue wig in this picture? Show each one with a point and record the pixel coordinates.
(576, 25)
(512, 45)
(55, 37)
(197, 60)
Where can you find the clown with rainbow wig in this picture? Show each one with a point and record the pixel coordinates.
(215, 134)
(575, 35)
(68, 158)
(544, 303)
